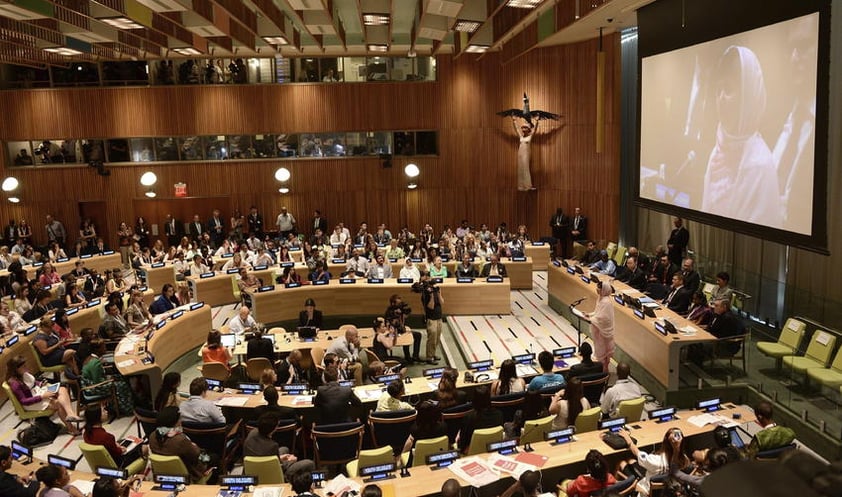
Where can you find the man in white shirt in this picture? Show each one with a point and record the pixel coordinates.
(338, 237)
(382, 269)
(410, 270)
(243, 322)
(198, 267)
(197, 409)
(358, 264)
(623, 389)
(285, 223)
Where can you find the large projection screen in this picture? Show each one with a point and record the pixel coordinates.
(728, 129)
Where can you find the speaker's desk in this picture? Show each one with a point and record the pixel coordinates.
(178, 334)
(539, 252)
(659, 355)
(371, 299)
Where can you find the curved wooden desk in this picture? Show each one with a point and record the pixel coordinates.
(289, 341)
(219, 289)
(174, 339)
(363, 298)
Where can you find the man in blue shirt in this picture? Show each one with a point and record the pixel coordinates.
(547, 379)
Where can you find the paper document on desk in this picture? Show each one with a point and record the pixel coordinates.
(369, 394)
(268, 492)
(579, 314)
(86, 487)
(525, 370)
(707, 418)
(233, 401)
(509, 465)
(650, 305)
(302, 400)
(126, 363)
(688, 330)
(474, 470)
(340, 485)
(647, 300)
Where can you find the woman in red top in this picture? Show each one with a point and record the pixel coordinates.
(597, 478)
(95, 434)
(62, 326)
(213, 351)
(49, 275)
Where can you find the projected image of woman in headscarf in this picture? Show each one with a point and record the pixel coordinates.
(741, 180)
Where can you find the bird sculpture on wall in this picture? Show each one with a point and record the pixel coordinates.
(525, 133)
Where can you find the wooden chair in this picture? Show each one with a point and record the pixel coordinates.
(216, 439)
(370, 457)
(255, 367)
(56, 370)
(727, 343)
(482, 437)
(588, 420)
(508, 404)
(453, 416)
(98, 457)
(792, 334)
(267, 469)
(89, 396)
(317, 354)
(216, 371)
(23, 414)
(391, 428)
(593, 385)
(337, 443)
(372, 357)
(145, 420)
(632, 409)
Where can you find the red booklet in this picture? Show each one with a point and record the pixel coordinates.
(532, 458)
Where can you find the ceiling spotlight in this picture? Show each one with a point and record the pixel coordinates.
(376, 19)
(10, 184)
(411, 170)
(282, 174)
(121, 22)
(467, 26)
(412, 186)
(477, 48)
(523, 4)
(14, 200)
(148, 178)
(187, 51)
(377, 47)
(276, 40)
(151, 194)
(283, 190)
(63, 51)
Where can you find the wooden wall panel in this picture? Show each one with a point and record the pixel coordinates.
(473, 177)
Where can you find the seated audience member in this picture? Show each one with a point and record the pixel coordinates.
(165, 302)
(771, 436)
(168, 395)
(347, 348)
(659, 280)
(623, 389)
(447, 394)
(40, 307)
(722, 291)
(168, 440)
(722, 440)
(12, 485)
(291, 370)
(310, 316)
(383, 343)
(381, 268)
(333, 401)
(723, 324)
(289, 277)
(493, 268)
(714, 459)
(466, 269)
(590, 255)
(213, 351)
(410, 270)
(699, 311)
(197, 409)
(93, 378)
(259, 443)
(248, 281)
(671, 454)
(10, 320)
(94, 284)
(302, 484)
(632, 275)
(51, 348)
(604, 265)
(105, 486)
(243, 323)
(113, 327)
(395, 316)
(37, 398)
(428, 424)
(320, 272)
(595, 480)
(268, 378)
(437, 269)
(587, 366)
(691, 276)
(330, 360)
(357, 265)
(678, 296)
(568, 403)
(395, 252)
(21, 302)
(259, 346)
(533, 408)
(507, 380)
(483, 416)
(95, 434)
(392, 401)
(74, 297)
(56, 482)
(547, 379)
(271, 396)
(528, 485)
(116, 283)
(137, 315)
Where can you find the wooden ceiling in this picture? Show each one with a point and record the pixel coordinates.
(55, 32)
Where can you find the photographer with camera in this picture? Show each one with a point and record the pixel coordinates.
(431, 299)
(396, 315)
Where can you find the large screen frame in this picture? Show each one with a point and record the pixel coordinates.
(668, 25)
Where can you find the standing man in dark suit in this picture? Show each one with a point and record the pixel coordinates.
(332, 401)
(318, 222)
(678, 241)
(173, 229)
(196, 228)
(560, 225)
(578, 226)
(10, 233)
(678, 298)
(216, 228)
(255, 221)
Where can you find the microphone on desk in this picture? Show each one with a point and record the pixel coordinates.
(577, 302)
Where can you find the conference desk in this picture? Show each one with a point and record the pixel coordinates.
(539, 252)
(519, 272)
(174, 338)
(100, 262)
(159, 275)
(287, 341)
(217, 288)
(371, 299)
(659, 355)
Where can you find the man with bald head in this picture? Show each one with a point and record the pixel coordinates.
(347, 349)
(450, 488)
(243, 322)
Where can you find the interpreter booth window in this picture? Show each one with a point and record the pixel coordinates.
(263, 146)
(216, 148)
(371, 143)
(239, 147)
(191, 148)
(93, 151)
(20, 153)
(142, 149)
(166, 149)
(259, 71)
(75, 74)
(404, 143)
(286, 145)
(305, 70)
(426, 143)
(125, 73)
(331, 70)
(24, 77)
(378, 69)
(353, 69)
(57, 152)
(118, 150)
(322, 145)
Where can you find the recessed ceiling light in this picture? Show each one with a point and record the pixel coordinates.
(121, 23)
(14, 200)
(63, 51)
(151, 194)
(376, 47)
(376, 19)
(276, 40)
(187, 51)
(523, 4)
(477, 48)
(467, 26)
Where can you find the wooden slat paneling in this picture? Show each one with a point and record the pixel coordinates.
(473, 176)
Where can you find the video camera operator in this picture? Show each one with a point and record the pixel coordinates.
(431, 299)
(396, 315)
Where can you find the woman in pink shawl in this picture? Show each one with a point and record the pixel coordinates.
(602, 325)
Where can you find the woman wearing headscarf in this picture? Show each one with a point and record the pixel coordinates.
(602, 325)
(741, 179)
